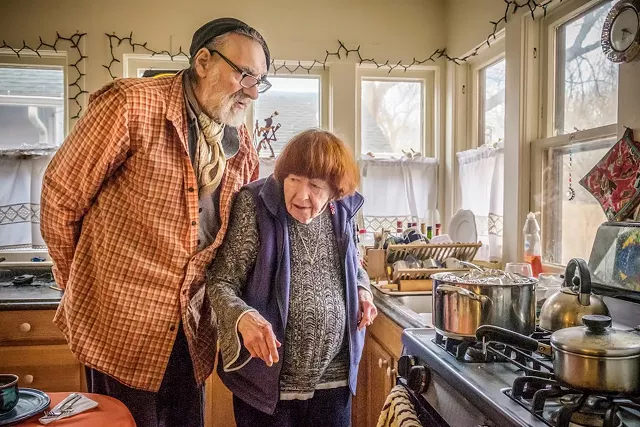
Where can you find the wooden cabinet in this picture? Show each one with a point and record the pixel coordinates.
(377, 371)
(33, 348)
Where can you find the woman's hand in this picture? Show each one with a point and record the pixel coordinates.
(367, 309)
(258, 337)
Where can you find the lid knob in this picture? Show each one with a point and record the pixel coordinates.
(596, 322)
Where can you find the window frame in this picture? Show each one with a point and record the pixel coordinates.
(476, 67)
(315, 72)
(541, 186)
(465, 86)
(546, 120)
(423, 74)
(47, 59)
(562, 14)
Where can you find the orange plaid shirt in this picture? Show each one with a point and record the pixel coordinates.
(120, 217)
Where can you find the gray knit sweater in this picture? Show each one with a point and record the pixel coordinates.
(316, 353)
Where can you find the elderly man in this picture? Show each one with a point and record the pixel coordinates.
(134, 206)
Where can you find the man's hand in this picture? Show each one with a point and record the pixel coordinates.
(258, 337)
(367, 310)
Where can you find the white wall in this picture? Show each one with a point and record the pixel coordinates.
(468, 23)
(294, 30)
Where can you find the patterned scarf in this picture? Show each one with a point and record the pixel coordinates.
(210, 160)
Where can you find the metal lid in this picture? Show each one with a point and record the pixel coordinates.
(596, 338)
(484, 277)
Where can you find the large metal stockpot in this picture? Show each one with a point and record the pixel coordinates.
(464, 301)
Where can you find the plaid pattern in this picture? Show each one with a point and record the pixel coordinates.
(120, 217)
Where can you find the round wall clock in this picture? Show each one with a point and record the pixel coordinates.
(621, 31)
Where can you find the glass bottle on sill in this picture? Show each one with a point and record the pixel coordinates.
(532, 244)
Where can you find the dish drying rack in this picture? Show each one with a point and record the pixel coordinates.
(379, 262)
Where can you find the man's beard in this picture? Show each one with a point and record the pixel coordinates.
(225, 113)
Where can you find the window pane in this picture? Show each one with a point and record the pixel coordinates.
(493, 83)
(31, 128)
(31, 107)
(392, 117)
(291, 105)
(586, 82)
(570, 225)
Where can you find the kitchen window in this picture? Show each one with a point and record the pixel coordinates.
(295, 102)
(33, 121)
(492, 103)
(392, 117)
(291, 105)
(399, 179)
(479, 148)
(570, 214)
(581, 113)
(585, 82)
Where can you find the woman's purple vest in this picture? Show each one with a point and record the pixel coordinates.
(268, 284)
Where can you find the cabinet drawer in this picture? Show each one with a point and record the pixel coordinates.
(21, 327)
(46, 368)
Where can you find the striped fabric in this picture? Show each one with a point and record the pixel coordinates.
(398, 410)
(120, 218)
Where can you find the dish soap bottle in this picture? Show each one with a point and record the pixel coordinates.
(532, 245)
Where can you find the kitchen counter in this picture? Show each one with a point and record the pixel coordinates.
(406, 311)
(38, 295)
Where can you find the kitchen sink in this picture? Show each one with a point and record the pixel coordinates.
(416, 303)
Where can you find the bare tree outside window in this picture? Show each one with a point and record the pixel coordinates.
(392, 117)
(586, 82)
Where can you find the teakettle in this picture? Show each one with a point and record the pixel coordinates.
(566, 307)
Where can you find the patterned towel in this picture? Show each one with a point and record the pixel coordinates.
(398, 411)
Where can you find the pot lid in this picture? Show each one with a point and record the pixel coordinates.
(485, 277)
(596, 338)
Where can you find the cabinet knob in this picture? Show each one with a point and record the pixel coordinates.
(25, 327)
(382, 362)
(391, 371)
(28, 379)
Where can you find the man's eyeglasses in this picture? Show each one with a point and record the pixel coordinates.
(247, 80)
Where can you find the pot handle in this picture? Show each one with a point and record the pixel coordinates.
(582, 280)
(487, 333)
(449, 289)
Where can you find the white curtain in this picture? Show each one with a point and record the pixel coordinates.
(398, 190)
(20, 190)
(481, 180)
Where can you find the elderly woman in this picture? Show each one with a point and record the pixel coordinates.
(291, 297)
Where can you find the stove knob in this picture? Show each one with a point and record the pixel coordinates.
(404, 365)
(418, 378)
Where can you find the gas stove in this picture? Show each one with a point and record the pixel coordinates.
(502, 386)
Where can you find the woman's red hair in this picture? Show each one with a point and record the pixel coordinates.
(319, 154)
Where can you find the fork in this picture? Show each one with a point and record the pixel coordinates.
(65, 408)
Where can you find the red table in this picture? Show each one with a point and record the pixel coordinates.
(109, 412)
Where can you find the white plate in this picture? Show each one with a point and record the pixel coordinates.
(462, 227)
